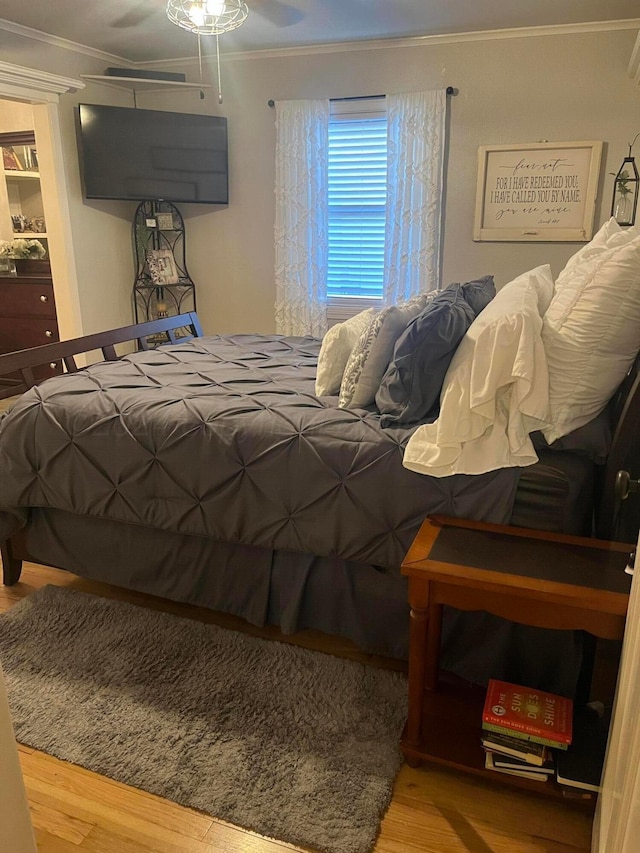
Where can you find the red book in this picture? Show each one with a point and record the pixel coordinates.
(528, 714)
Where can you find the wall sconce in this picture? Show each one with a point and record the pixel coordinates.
(625, 190)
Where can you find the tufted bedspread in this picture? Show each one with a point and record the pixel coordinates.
(223, 437)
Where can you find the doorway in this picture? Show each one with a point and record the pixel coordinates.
(34, 94)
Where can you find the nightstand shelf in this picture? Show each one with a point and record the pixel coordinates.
(543, 579)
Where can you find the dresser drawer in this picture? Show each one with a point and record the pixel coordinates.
(24, 332)
(27, 300)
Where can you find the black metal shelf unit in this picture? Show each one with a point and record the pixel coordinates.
(158, 233)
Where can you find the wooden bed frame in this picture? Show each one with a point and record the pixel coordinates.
(612, 521)
(23, 361)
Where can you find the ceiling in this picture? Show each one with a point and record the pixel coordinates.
(138, 30)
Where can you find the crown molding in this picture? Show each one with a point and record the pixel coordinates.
(19, 80)
(332, 47)
(413, 41)
(634, 62)
(58, 41)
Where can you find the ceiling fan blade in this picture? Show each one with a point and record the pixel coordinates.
(277, 12)
(140, 12)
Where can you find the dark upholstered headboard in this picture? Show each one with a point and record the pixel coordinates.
(615, 518)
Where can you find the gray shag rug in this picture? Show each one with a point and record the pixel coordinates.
(296, 745)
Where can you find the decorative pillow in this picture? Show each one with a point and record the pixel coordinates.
(478, 293)
(610, 236)
(372, 352)
(335, 351)
(410, 389)
(591, 335)
(495, 391)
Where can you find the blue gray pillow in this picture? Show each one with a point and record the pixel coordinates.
(410, 389)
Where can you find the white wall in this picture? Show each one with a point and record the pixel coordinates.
(559, 88)
(563, 88)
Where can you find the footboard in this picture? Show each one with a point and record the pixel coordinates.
(23, 361)
(13, 551)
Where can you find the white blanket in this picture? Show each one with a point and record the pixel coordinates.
(496, 390)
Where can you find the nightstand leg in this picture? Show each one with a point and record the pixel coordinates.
(418, 600)
(434, 632)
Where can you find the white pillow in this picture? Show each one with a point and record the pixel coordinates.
(373, 351)
(591, 335)
(496, 389)
(335, 350)
(610, 236)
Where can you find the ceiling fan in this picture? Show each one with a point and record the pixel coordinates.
(209, 17)
(277, 12)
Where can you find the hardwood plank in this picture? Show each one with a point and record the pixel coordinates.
(45, 773)
(514, 810)
(434, 809)
(47, 842)
(445, 828)
(248, 842)
(58, 823)
(116, 818)
(101, 840)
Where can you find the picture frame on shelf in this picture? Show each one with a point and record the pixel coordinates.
(162, 266)
(165, 221)
(544, 191)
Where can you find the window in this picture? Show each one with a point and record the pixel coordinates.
(357, 201)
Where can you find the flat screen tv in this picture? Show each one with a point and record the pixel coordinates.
(150, 155)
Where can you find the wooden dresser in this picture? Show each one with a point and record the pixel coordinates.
(27, 319)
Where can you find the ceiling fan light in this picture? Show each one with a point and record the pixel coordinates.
(214, 7)
(197, 14)
(207, 17)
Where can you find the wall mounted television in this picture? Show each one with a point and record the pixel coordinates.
(149, 155)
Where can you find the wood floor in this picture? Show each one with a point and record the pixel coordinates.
(433, 810)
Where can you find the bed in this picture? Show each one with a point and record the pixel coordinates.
(208, 470)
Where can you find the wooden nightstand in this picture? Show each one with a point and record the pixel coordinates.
(536, 578)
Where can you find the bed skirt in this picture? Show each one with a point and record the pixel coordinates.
(363, 603)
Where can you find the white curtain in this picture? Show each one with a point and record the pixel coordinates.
(416, 144)
(617, 820)
(301, 223)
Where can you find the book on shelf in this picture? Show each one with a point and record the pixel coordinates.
(581, 765)
(525, 772)
(532, 753)
(528, 714)
(506, 762)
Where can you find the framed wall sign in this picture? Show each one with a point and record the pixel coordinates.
(543, 191)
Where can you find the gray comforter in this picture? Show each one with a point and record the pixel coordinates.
(224, 437)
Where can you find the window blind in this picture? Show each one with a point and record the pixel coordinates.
(357, 205)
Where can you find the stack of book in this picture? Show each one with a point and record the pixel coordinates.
(521, 729)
